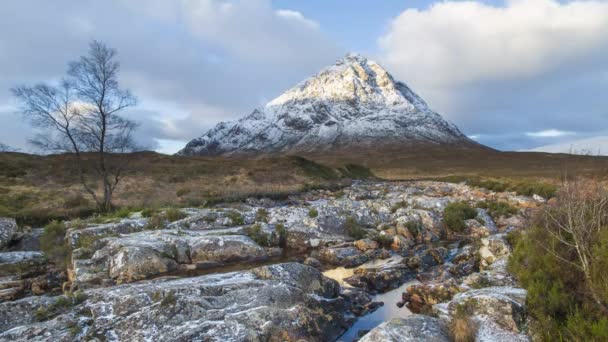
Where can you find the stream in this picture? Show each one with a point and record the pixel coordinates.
(390, 299)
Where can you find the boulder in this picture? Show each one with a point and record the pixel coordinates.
(420, 298)
(366, 244)
(341, 256)
(279, 302)
(505, 306)
(387, 275)
(414, 328)
(8, 228)
(147, 254)
(493, 248)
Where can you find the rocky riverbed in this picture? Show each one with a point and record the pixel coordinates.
(373, 261)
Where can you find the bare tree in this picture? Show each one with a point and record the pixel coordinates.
(576, 226)
(81, 116)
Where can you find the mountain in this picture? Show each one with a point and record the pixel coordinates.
(597, 146)
(354, 103)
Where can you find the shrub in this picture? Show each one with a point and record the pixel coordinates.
(156, 221)
(462, 328)
(456, 213)
(53, 244)
(182, 192)
(353, 229)
(148, 212)
(75, 201)
(235, 217)
(384, 240)
(497, 209)
(261, 215)
(168, 300)
(561, 261)
(173, 214)
(312, 213)
(282, 233)
(257, 234)
(414, 228)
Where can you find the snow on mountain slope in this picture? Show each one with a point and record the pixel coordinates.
(597, 146)
(352, 103)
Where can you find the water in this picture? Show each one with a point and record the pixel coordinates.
(390, 299)
(384, 313)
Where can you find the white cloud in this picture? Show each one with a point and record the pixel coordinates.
(549, 133)
(462, 42)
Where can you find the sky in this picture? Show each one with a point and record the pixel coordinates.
(513, 74)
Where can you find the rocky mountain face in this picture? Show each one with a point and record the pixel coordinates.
(312, 268)
(352, 103)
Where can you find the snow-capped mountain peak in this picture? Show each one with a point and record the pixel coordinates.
(353, 102)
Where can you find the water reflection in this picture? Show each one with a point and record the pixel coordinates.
(390, 299)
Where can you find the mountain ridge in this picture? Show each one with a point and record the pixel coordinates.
(354, 102)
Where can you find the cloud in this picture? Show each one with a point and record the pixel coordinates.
(501, 71)
(549, 133)
(468, 42)
(190, 63)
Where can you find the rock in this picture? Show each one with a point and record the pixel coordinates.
(486, 220)
(421, 297)
(505, 306)
(433, 257)
(495, 275)
(341, 256)
(476, 230)
(8, 228)
(76, 237)
(280, 302)
(389, 275)
(464, 262)
(493, 248)
(28, 241)
(366, 244)
(414, 328)
(27, 273)
(513, 222)
(312, 262)
(143, 255)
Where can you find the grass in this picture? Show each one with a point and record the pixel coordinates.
(236, 218)
(53, 244)
(354, 229)
(461, 327)
(456, 213)
(497, 209)
(257, 234)
(313, 213)
(261, 215)
(39, 189)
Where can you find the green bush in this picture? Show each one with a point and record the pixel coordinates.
(257, 234)
(182, 192)
(312, 213)
(384, 240)
(236, 218)
(261, 215)
(148, 212)
(414, 227)
(156, 221)
(565, 302)
(53, 244)
(456, 213)
(173, 214)
(353, 229)
(497, 209)
(282, 233)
